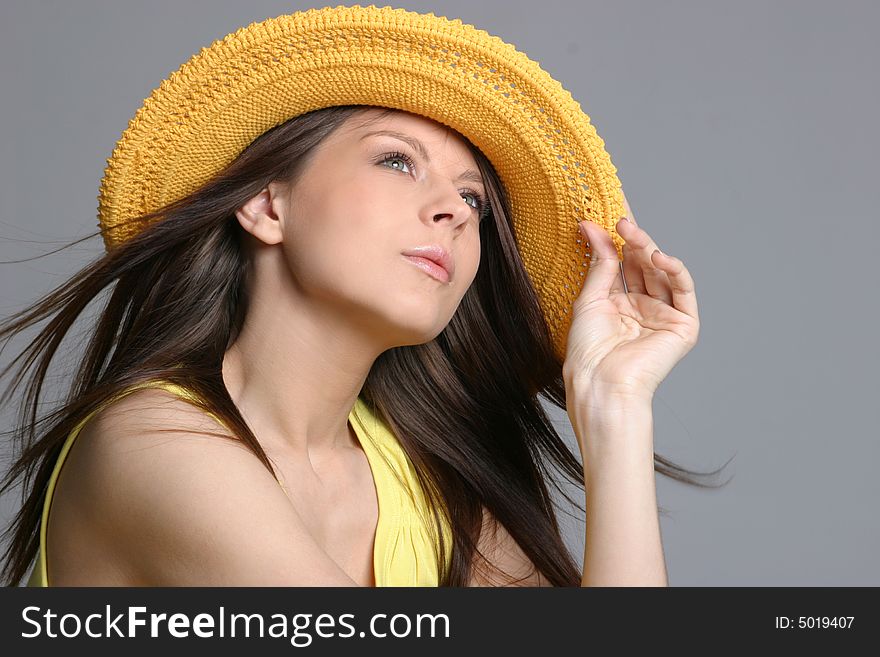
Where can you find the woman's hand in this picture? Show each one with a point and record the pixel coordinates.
(623, 343)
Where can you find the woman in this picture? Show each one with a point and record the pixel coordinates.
(340, 284)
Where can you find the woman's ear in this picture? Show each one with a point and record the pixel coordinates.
(262, 214)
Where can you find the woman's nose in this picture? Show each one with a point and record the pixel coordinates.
(447, 201)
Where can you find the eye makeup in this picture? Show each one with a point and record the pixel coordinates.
(481, 207)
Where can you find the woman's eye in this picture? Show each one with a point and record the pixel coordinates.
(478, 200)
(403, 157)
(480, 204)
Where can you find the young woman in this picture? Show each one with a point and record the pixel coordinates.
(341, 281)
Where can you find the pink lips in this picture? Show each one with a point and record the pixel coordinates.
(434, 260)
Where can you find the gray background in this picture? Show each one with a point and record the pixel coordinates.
(746, 138)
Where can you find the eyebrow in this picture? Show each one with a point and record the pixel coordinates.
(468, 174)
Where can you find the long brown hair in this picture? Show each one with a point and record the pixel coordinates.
(465, 406)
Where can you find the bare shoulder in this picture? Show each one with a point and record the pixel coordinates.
(507, 564)
(149, 412)
(181, 502)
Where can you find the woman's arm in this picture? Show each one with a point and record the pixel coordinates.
(622, 545)
(632, 321)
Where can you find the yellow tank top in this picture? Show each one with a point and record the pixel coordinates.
(404, 551)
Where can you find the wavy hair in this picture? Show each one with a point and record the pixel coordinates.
(465, 406)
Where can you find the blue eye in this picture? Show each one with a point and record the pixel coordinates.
(390, 157)
(481, 206)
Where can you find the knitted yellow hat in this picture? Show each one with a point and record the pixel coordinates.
(546, 152)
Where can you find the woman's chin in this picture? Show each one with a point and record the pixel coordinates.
(413, 332)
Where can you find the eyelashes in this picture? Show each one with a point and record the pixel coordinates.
(483, 205)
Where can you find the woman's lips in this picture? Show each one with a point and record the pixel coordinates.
(430, 267)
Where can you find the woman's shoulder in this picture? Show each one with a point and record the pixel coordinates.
(179, 501)
(147, 428)
(106, 476)
(147, 410)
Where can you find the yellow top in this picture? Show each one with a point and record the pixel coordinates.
(404, 552)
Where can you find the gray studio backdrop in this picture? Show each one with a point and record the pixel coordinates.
(746, 138)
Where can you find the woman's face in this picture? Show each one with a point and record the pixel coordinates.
(362, 201)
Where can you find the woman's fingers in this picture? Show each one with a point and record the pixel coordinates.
(632, 270)
(617, 284)
(665, 277)
(641, 248)
(604, 275)
(684, 296)
(647, 270)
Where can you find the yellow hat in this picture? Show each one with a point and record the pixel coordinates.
(548, 155)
